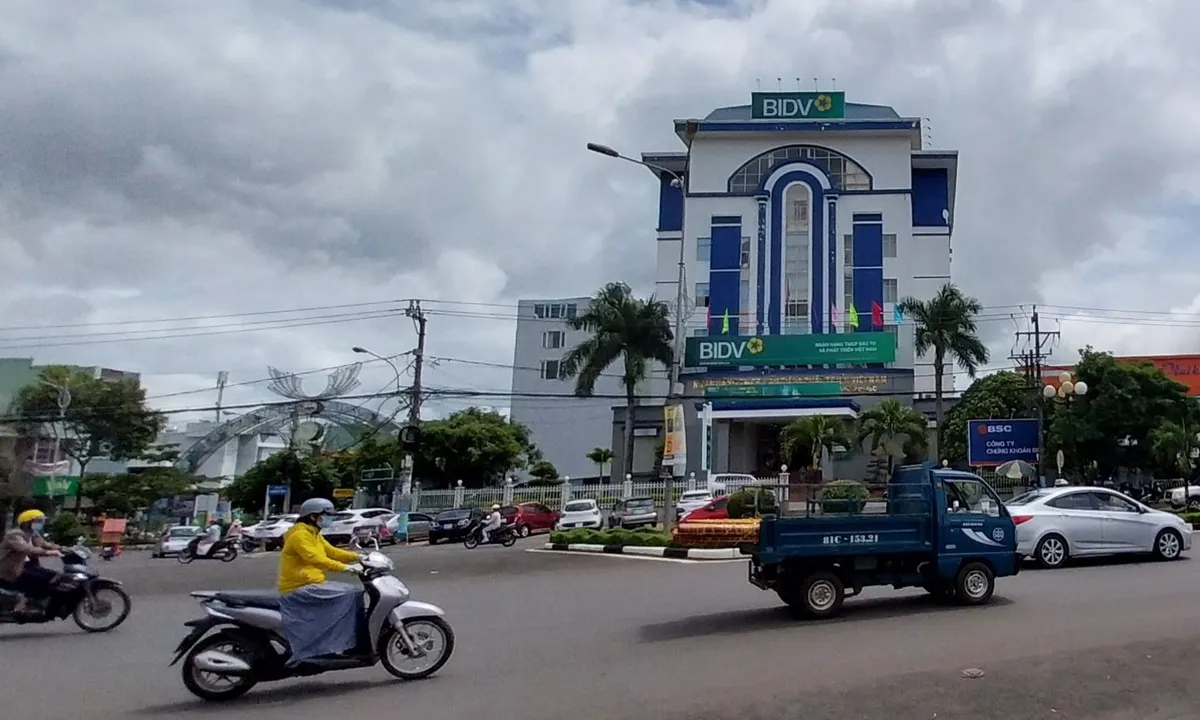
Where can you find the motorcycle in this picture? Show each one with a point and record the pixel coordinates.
(411, 639)
(249, 544)
(505, 535)
(96, 604)
(225, 550)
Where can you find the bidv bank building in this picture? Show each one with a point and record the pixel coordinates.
(802, 221)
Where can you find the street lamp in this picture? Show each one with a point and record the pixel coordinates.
(1066, 391)
(63, 401)
(392, 365)
(677, 181)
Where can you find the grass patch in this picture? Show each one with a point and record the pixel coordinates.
(1190, 517)
(642, 537)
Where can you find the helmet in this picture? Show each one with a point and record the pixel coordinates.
(316, 506)
(495, 507)
(29, 516)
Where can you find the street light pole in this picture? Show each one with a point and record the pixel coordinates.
(674, 390)
(63, 401)
(1066, 391)
(396, 481)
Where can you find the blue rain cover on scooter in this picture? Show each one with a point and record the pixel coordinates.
(320, 619)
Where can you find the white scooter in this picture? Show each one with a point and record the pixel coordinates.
(411, 639)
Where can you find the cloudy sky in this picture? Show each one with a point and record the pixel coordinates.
(224, 159)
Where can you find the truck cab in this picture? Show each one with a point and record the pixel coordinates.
(943, 530)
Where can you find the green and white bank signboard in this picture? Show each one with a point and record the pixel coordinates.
(797, 105)
(781, 350)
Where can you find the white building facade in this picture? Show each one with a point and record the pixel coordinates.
(804, 220)
(566, 428)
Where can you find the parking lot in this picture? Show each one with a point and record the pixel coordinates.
(544, 635)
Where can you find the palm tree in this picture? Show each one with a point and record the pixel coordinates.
(600, 457)
(945, 324)
(893, 429)
(1172, 446)
(624, 329)
(808, 436)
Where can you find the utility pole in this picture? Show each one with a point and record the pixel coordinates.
(1039, 342)
(404, 482)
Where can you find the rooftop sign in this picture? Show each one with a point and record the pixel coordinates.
(797, 105)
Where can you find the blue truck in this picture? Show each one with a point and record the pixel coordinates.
(942, 530)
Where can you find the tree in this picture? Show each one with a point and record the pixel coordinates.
(104, 419)
(544, 471)
(893, 430)
(126, 493)
(600, 457)
(474, 445)
(1172, 444)
(1111, 426)
(803, 440)
(945, 324)
(1001, 395)
(307, 476)
(627, 330)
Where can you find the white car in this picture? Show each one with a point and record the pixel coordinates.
(691, 500)
(1178, 499)
(719, 483)
(270, 532)
(174, 539)
(580, 514)
(1056, 524)
(342, 526)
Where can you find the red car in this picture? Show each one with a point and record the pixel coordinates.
(715, 510)
(530, 517)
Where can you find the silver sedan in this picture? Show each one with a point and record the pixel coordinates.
(1056, 524)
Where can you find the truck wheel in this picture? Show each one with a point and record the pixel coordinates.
(818, 596)
(975, 584)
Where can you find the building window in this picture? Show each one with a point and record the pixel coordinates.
(745, 253)
(844, 172)
(889, 245)
(848, 249)
(796, 308)
(890, 290)
(703, 249)
(701, 294)
(552, 370)
(43, 452)
(744, 295)
(552, 339)
(700, 332)
(539, 310)
(572, 311)
(848, 284)
(555, 311)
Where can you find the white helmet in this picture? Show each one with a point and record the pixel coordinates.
(495, 507)
(316, 506)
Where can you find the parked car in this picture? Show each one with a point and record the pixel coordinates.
(174, 539)
(718, 483)
(453, 525)
(633, 513)
(1057, 524)
(690, 500)
(531, 517)
(580, 514)
(1179, 497)
(270, 532)
(408, 527)
(714, 510)
(343, 525)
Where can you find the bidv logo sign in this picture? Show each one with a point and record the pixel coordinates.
(710, 351)
(992, 442)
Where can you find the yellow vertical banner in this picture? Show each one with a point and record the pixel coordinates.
(674, 437)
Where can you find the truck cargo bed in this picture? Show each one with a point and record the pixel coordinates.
(866, 534)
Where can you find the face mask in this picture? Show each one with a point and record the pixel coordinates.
(38, 527)
(323, 521)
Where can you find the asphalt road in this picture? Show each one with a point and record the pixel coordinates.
(544, 636)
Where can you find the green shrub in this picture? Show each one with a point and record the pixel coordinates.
(1191, 517)
(744, 502)
(627, 538)
(844, 496)
(65, 528)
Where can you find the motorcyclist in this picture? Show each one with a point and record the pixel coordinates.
(319, 617)
(208, 540)
(491, 523)
(19, 551)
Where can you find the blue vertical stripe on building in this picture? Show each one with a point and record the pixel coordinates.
(724, 276)
(831, 279)
(761, 266)
(930, 196)
(868, 268)
(670, 206)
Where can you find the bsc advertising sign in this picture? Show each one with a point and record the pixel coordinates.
(817, 349)
(992, 442)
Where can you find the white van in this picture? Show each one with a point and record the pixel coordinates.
(719, 482)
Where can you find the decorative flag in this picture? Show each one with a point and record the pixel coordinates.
(725, 323)
(853, 317)
(898, 315)
(833, 315)
(876, 315)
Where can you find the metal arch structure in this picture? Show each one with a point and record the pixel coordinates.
(275, 416)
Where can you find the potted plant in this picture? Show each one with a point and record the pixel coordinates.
(844, 496)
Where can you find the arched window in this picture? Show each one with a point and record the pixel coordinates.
(844, 173)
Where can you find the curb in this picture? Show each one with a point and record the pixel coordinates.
(662, 552)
